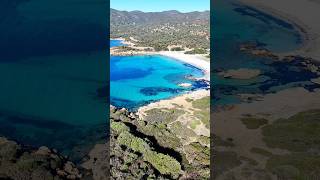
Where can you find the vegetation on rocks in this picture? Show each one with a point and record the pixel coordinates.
(295, 166)
(197, 51)
(298, 133)
(162, 29)
(203, 112)
(122, 136)
(147, 139)
(177, 49)
(19, 162)
(224, 161)
(218, 141)
(254, 123)
(163, 163)
(162, 115)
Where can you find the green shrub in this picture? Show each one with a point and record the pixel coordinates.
(298, 166)
(197, 51)
(177, 49)
(254, 123)
(119, 127)
(134, 143)
(163, 163)
(297, 133)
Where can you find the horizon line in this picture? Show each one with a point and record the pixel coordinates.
(160, 11)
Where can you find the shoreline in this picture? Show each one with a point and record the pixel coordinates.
(307, 27)
(171, 102)
(193, 60)
(123, 40)
(196, 61)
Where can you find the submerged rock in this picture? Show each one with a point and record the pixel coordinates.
(256, 50)
(241, 73)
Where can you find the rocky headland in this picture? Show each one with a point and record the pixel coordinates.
(163, 140)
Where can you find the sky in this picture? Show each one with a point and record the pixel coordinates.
(161, 5)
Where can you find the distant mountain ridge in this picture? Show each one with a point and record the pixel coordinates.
(162, 29)
(157, 17)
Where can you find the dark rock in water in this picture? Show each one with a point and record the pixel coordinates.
(200, 84)
(293, 69)
(256, 50)
(130, 105)
(152, 91)
(19, 162)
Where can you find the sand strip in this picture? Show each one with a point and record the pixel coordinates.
(303, 14)
(194, 60)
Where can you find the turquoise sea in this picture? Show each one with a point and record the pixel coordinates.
(137, 80)
(114, 43)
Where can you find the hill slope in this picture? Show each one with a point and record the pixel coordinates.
(161, 29)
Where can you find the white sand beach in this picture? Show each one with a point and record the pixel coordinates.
(303, 13)
(194, 60)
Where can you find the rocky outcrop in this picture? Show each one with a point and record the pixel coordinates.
(98, 162)
(305, 62)
(19, 162)
(256, 50)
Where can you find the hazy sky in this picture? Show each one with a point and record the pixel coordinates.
(161, 5)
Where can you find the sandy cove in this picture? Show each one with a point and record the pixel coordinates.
(301, 13)
(194, 60)
(198, 61)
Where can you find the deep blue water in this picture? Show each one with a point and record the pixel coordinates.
(235, 24)
(137, 80)
(52, 62)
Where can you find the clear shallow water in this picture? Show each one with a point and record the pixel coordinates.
(137, 80)
(114, 43)
(234, 24)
